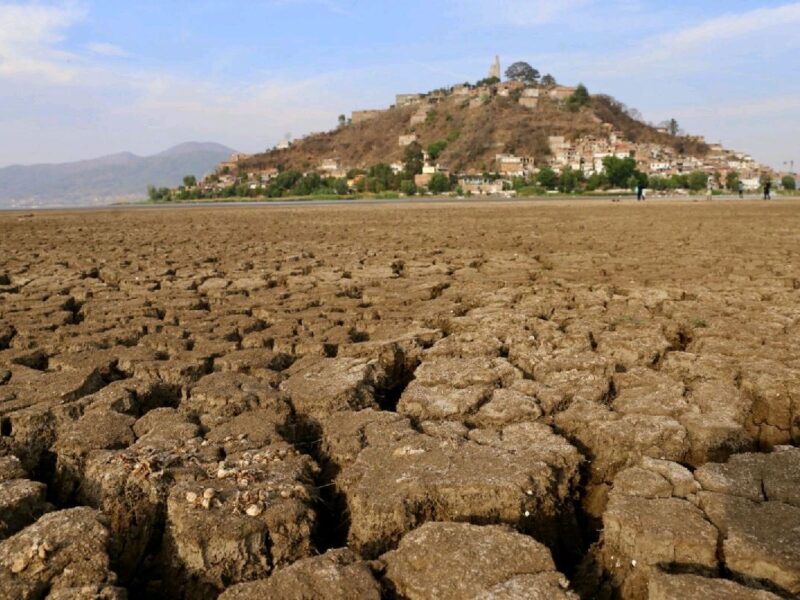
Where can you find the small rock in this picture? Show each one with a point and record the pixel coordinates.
(19, 565)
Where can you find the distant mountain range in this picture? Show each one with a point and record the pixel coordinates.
(105, 180)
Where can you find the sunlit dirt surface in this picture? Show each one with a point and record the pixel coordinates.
(516, 400)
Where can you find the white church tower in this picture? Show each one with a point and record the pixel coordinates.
(494, 71)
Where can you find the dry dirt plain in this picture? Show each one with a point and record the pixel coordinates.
(596, 400)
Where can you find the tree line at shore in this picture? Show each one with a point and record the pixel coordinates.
(617, 173)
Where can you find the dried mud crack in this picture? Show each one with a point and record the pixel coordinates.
(401, 402)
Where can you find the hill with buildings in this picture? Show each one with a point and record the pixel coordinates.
(492, 136)
(473, 126)
(122, 176)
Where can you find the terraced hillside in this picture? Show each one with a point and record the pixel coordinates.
(475, 135)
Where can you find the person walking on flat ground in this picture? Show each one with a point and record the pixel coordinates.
(638, 193)
(767, 190)
(741, 190)
(710, 190)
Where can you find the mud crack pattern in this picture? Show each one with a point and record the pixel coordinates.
(592, 400)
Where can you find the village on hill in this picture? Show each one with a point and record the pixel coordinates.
(561, 139)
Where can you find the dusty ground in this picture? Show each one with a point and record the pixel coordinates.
(505, 401)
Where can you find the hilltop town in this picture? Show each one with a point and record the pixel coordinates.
(523, 135)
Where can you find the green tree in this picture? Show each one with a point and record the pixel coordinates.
(436, 148)
(547, 178)
(439, 183)
(384, 177)
(523, 72)
(408, 187)
(570, 180)
(579, 98)
(679, 181)
(189, 181)
(698, 180)
(789, 182)
(548, 80)
(673, 127)
(286, 180)
(732, 181)
(159, 194)
(596, 181)
(340, 187)
(342, 120)
(413, 159)
(658, 183)
(619, 170)
(488, 81)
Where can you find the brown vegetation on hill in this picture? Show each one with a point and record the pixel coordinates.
(474, 135)
(612, 111)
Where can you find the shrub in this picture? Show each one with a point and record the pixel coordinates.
(439, 184)
(408, 187)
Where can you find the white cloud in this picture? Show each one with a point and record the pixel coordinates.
(763, 107)
(106, 49)
(715, 40)
(29, 38)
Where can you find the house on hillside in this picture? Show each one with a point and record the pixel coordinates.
(428, 171)
(407, 99)
(232, 164)
(419, 117)
(267, 175)
(529, 98)
(509, 165)
(506, 88)
(560, 92)
(407, 140)
(362, 116)
(480, 186)
(332, 167)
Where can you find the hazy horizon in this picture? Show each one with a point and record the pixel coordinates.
(82, 79)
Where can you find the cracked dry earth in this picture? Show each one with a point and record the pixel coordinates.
(497, 401)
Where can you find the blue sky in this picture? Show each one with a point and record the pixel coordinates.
(82, 78)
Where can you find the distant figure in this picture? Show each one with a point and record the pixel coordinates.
(644, 193)
(767, 190)
(710, 190)
(638, 193)
(741, 190)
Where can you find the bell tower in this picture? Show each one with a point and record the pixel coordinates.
(494, 71)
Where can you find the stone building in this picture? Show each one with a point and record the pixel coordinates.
(529, 98)
(510, 165)
(406, 99)
(361, 116)
(561, 92)
(419, 117)
(407, 140)
(480, 186)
